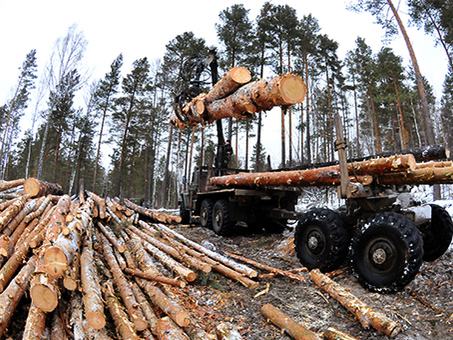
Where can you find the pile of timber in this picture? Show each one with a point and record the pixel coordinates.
(393, 170)
(235, 96)
(87, 262)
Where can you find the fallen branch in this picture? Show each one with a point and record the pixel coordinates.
(156, 278)
(366, 315)
(287, 324)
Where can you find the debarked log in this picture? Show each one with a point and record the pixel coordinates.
(287, 324)
(365, 314)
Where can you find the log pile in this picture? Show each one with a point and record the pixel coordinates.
(235, 96)
(87, 262)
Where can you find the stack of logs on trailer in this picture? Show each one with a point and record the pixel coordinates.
(88, 265)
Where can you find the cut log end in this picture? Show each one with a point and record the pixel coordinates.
(69, 283)
(32, 187)
(140, 324)
(240, 75)
(200, 107)
(292, 89)
(96, 320)
(55, 261)
(43, 297)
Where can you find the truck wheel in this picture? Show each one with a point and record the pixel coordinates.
(206, 213)
(184, 213)
(437, 235)
(387, 252)
(221, 223)
(321, 240)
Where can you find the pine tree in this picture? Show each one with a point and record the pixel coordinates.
(14, 109)
(104, 102)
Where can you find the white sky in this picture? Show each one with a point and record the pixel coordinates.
(139, 28)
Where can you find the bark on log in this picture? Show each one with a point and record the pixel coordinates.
(318, 177)
(120, 246)
(11, 296)
(62, 242)
(123, 286)
(287, 324)
(41, 208)
(230, 82)
(44, 289)
(166, 329)
(57, 330)
(224, 270)
(167, 305)
(258, 96)
(333, 333)
(7, 203)
(10, 212)
(124, 327)
(434, 165)
(71, 276)
(11, 184)
(181, 256)
(216, 256)
(366, 315)
(91, 287)
(266, 267)
(148, 311)
(6, 247)
(35, 324)
(14, 222)
(160, 217)
(430, 175)
(35, 187)
(171, 264)
(158, 278)
(20, 254)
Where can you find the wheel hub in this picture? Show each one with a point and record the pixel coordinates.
(312, 242)
(315, 240)
(379, 256)
(382, 254)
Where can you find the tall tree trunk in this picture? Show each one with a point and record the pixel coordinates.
(375, 123)
(96, 162)
(283, 137)
(400, 111)
(429, 131)
(167, 165)
(307, 99)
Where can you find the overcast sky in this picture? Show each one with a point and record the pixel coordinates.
(142, 28)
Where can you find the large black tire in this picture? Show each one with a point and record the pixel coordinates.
(387, 252)
(437, 235)
(206, 213)
(221, 223)
(184, 213)
(321, 240)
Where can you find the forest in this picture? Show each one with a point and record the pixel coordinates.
(385, 105)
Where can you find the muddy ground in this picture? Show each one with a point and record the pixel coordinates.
(424, 308)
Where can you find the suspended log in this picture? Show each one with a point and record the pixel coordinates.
(91, 287)
(20, 254)
(35, 187)
(430, 175)
(321, 176)
(160, 217)
(333, 333)
(216, 256)
(166, 329)
(366, 315)
(35, 324)
(10, 212)
(287, 324)
(124, 327)
(123, 286)
(181, 256)
(11, 296)
(266, 267)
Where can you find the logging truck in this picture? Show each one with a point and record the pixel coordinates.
(384, 233)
